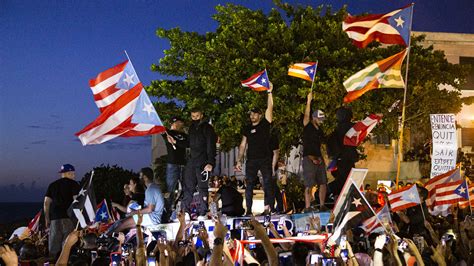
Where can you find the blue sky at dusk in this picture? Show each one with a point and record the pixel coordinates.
(50, 49)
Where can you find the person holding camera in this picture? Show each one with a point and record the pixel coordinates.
(202, 144)
(256, 138)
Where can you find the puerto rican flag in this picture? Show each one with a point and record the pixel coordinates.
(404, 198)
(126, 109)
(375, 224)
(360, 130)
(470, 200)
(452, 192)
(258, 81)
(391, 28)
(450, 176)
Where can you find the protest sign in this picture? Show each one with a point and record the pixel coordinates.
(443, 129)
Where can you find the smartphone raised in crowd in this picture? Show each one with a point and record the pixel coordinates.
(115, 258)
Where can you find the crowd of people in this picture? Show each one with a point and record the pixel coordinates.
(412, 237)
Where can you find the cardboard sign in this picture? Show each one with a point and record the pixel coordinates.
(443, 129)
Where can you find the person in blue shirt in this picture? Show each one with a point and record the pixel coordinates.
(154, 205)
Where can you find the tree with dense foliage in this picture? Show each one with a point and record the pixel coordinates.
(108, 182)
(205, 70)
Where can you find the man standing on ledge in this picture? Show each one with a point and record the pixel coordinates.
(314, 168)
(202, 144)
(176, 143)
(259, 155)
(57, 200)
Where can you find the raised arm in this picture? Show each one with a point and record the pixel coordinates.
(307, 110)
(269, 111)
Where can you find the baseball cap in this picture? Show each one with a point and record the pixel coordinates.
(176, 119)
(67, 168)
(255, 110)
(319, 115)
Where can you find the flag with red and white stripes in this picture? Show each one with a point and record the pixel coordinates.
(375, 224)
(360, 130)
(391, 28)
(470, 201)
(258, 81)
(126, 109)
(450, 176)
(404, 198)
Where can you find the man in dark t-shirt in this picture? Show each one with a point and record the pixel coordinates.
(314, 168)
(176, 142)
(256, 138)
(57, 200)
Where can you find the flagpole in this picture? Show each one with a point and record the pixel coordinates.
(400, 141)
(314, 77)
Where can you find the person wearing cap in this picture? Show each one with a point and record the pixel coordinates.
(176, 143)
(202, 144)
(314, 168)
(57, 200)
(256, 138)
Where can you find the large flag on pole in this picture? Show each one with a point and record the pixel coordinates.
(126, 109)
(360, 130)
(258, 81)
(391, 28)
(306, 71)
(84, 206)
(385, 73)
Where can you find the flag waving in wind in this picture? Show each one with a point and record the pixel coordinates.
(126, 109)
(306, 71)
(258, 81)
(375, 224)
(385, 73)
(390, 28)
(404, 198)
(360, 130)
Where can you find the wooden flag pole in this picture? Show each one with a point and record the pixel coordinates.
(402, 127)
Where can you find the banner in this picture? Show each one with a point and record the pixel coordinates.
(443, 129)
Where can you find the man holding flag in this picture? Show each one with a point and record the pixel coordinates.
(257, 136)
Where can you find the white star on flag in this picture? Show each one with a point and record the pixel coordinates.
(356, 202)
(264, 81)
(128, 79)
(149, 109)
(462, 190)
(311, 71)
(103, 215)
(82, 192)
(399, 21)
(411, 196)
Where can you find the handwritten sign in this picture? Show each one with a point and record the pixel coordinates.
(443, 130)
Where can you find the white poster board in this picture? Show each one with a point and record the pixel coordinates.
(443, 130)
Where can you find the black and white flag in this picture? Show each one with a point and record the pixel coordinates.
(84, 205)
